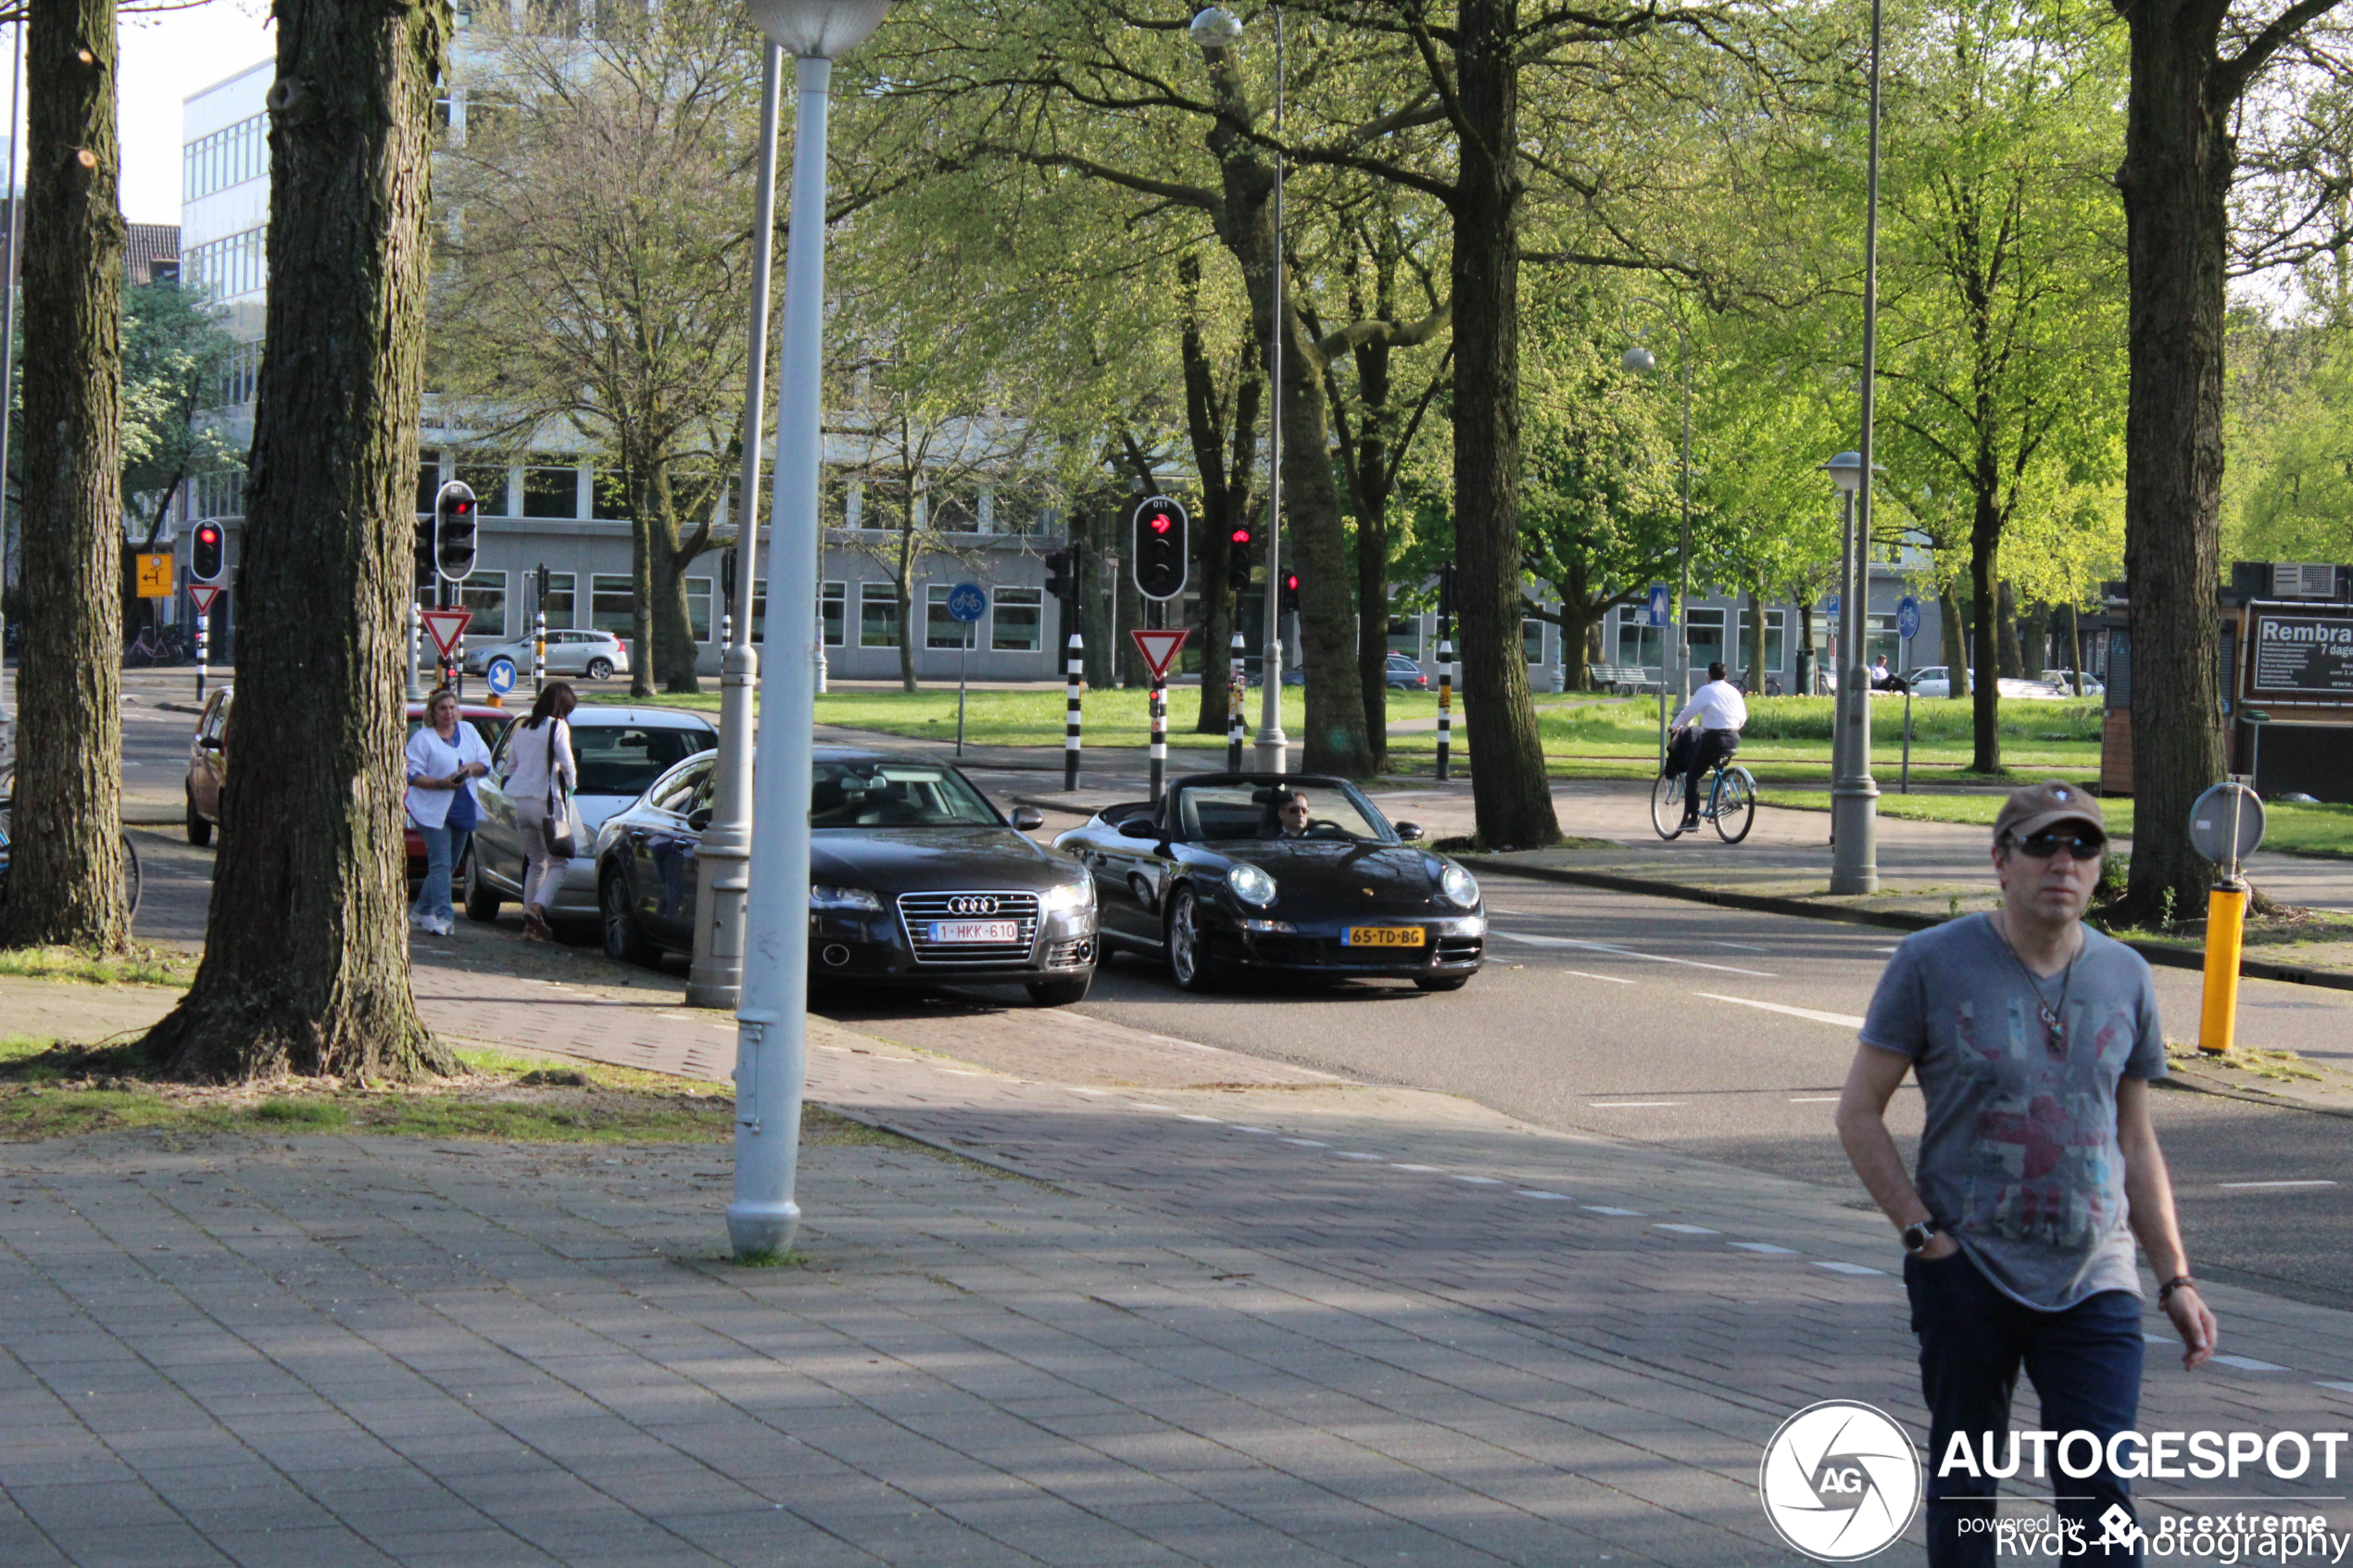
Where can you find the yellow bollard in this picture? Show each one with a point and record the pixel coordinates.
(2226, 922)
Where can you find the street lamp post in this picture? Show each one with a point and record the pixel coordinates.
(1643, 362)
(716, 978)
(772, 1021)
(1216, 30)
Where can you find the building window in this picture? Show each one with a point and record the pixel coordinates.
(219, 493)
(1531, 640)
(877, 615)
(1017, 624)
(832, 600)
(1638, 643)
(557, 603)
(1704, 637)
(228, 156)
(1775, 639)
(699, 608)
(953, 508)
(230, 267)
(551, 488)
(612, 603)
(1405, 636)
(1880, 639)
(485, 593)
(612, 495)
(941, 630)
(239, 377)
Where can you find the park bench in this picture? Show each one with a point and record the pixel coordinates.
(1621, 680)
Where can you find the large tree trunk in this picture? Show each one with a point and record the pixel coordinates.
(903, 584)
(1509, 790)
(673, 646)
(304, 967)
(66, 870)
(2009, 652)
(2176, 180)
(1984, 565)
(642, 547)
(1953, 640)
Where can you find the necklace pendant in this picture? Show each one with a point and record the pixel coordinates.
(2054, 1031)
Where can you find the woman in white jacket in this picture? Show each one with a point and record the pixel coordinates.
(445, 756)
(540, 763)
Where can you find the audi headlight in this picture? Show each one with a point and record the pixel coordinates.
(1252, 886)
(822, 897)
(1069, 895)
(1458, 887)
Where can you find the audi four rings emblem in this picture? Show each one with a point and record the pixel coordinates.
(972, 906)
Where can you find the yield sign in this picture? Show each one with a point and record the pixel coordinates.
(202, 595)
(448, 627)
(1159, 648)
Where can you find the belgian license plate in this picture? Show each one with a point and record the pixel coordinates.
(1386, 937)
(976, 931)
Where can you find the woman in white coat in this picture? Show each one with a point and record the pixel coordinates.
(540, 770)
(445, 756)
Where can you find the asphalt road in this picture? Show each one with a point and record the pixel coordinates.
(1717, 1032)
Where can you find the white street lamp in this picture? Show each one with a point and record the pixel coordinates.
(1216, 30)
(1854, 792)
(772, 1022)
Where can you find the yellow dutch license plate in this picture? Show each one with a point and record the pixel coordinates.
(1386, 937)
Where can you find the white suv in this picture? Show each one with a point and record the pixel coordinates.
(599, 656)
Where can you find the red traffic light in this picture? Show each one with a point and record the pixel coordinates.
(1291, 580)
(1161, 522)
(1241, 535)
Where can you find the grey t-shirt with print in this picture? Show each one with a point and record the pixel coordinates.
(2019, 1157)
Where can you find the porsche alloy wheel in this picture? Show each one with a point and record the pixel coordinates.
(1188, 959)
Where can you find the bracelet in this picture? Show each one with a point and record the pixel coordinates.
(2165, 1292)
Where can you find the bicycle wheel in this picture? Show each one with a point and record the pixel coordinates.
(1734, 803)
(1666, 805)
(131, 877)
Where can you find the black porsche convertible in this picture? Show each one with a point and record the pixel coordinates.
(1297, 874)
(915, 879)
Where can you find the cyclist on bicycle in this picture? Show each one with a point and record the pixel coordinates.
(1715, 716)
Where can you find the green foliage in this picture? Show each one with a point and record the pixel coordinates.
(173, 351)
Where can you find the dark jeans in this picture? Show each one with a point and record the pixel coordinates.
(1714, 746)
(2086, 1365)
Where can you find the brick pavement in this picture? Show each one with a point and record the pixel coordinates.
(1239, 1315)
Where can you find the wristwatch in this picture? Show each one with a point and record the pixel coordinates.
(1919, 1233)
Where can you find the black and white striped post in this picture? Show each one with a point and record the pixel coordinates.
(204, 648)
(1235, 687)
(1445, 704)
(538, 652)
(1159, 732)
(1078, 674)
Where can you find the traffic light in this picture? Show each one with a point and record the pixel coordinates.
(1238, 562)
(726, 578)
(1062, 573)
(1290, 592)
(1160, 554)
(453, 531)
(208, 554)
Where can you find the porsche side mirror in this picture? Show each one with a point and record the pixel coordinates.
(1139, 827)
(1411, 833)
(1028, 818)
(700, 817)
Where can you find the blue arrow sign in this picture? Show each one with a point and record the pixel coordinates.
(1656, 610)
(967, 602)
(1908, 617)
(501, 675)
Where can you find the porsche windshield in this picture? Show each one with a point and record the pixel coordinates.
(895, 795)
(1270, 811)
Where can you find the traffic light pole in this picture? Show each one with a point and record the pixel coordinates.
(1272, 751)
(1234, 689)
(1446, 703)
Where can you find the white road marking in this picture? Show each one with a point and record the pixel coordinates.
(1147, 1105)
(1813, 1099)
(1767, 1246)
(1427, 1169)
(1548, 1197)
(2340, 1387)
(2246, 1187)
(1632, 1104)
(1190, 1117)
(1744, 946)
(1686, 1229)
(1619, 1213)
(1613, 979)
(1307, 1143)
(1359, 1156)
(1844, 1020)
(2248, 1363)
(1262, 1131)
(1837, 1268)
(1626, 952)
(1480, 1181)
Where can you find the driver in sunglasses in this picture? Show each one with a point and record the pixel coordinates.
(2035, 1039)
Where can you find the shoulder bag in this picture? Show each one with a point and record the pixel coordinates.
(563, 818)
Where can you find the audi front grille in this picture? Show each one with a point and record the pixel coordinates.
(918, 910)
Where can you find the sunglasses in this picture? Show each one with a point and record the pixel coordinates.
(2084, 843)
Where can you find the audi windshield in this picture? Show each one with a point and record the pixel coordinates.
(895, 795)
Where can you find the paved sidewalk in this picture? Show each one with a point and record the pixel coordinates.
(1235, 1314)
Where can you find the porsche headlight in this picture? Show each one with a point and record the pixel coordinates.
(1069, 895)
(822, 897)
(1252, 886)
(1458, 887)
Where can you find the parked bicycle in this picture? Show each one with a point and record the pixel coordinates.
(169, 644)
(131, 878)
(1729, 801)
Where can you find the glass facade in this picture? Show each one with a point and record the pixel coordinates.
(877, 615)
(1017, 620)
(612, 603)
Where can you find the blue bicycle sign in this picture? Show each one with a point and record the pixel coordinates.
(1907, 617)
(967, 602)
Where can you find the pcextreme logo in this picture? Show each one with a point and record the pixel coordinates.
(1840, 1481)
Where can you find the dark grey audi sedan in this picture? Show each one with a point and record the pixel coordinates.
(915, 879)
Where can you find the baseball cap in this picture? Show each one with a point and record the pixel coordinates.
(2037, 807)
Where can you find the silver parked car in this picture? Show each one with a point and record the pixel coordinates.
(621, 751)
(599, 656)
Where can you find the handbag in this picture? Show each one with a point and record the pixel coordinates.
(563, 818)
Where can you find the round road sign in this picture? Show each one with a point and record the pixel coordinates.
(1907, 617)
(967, 602)
(2227, 824)
(501, 675)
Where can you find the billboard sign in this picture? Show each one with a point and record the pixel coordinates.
(2300, 653)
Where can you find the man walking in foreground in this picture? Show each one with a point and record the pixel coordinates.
(2035, 1039)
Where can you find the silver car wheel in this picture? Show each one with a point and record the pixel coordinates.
(1184, 941)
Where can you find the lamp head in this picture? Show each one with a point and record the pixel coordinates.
(1216, 28)
(1640, 360)
(1846, 471)
(823, 29)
